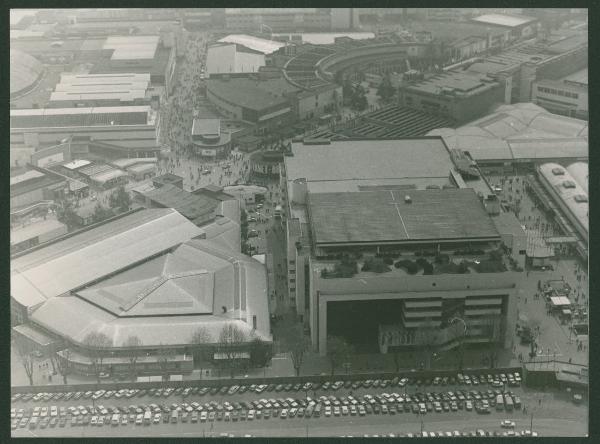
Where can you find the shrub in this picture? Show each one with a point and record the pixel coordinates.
(375, 265)
(490, 266)
(463, 268)
(496, 255)
(409, 266)
(388, 261)
(442, 259)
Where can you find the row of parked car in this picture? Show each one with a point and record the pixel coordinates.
(360, 405)
(453, 434)
(496, 381)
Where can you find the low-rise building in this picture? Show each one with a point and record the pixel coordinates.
(567, 96)
(208, 139)
(456, 95)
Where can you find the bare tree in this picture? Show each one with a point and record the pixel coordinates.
(134, 344)
(494, 328)
(98, 344)
(426, 337)
(163, 356)
(230, 343)
(338, 351)
(201, 337)
(298, 344)
(63, 364)
(26, 359)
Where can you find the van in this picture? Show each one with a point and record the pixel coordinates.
(115, 419)
(499, 403)
(147, 417)
(175, 416)
(317, 412)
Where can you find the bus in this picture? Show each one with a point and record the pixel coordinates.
(499, 403)
(278, 212)
(508, 403)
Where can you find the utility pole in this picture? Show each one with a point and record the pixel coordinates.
(531, 423)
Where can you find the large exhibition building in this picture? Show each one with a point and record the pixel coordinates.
(375, 242)
(111, 280)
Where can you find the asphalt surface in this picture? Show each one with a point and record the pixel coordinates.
(553, 415)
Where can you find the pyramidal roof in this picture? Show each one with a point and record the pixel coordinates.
(166, 285)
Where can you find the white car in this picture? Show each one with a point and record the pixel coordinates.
(507, 424)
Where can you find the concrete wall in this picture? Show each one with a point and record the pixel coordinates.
(314, 106)
(230, 110)
(446, 286)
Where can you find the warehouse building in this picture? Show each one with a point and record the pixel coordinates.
(520, 26)
(95, 90)
(122, 285)
(232, 59)
(109, 132)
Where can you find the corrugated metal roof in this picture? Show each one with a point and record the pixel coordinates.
(85, 257)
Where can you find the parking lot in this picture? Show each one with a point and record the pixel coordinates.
(239, 410)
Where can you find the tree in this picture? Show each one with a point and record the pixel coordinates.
(63, 364)
(385, 90)
(163, 356)
(338, 351)
(230, 343)
(261, 352)
(297, 344)
(120, 199)
(101, 213)
(66, 214)
(200, 337)
(426, 337)
(494, 328)
(98, 344)
(134, 344)
(26, 359)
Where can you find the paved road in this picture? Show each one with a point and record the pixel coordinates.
(547, 407)
(544, 424)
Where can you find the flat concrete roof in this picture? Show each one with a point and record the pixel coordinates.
(419, 160)
(385, 216)
(504, 20)
(455, 82)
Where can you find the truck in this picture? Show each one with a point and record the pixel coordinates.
(508, 403)
(147, 417)
(278, 212)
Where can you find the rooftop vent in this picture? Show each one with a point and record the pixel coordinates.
(407, 199)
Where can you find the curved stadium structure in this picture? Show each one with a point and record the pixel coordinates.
(25, 73)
